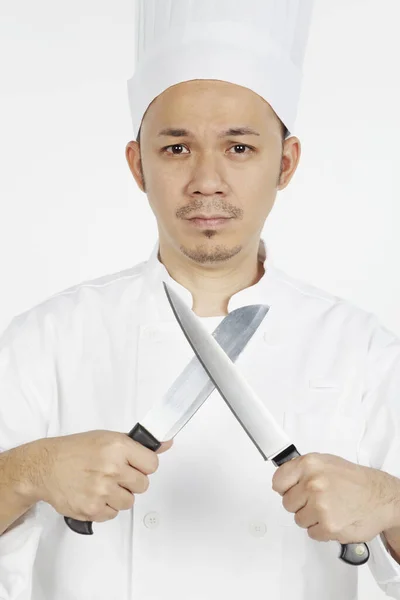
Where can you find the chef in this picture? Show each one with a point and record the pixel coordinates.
(213, 102)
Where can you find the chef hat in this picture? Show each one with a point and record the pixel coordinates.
(258, 44)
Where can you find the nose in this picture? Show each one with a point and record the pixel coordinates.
(208, 176)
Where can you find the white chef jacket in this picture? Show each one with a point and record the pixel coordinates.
(98, 355)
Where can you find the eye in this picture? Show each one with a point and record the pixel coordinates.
(242, 146)
(173, 146)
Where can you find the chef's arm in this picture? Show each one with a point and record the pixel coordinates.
(19, 476)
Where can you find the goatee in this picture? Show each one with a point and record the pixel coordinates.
(202, 254)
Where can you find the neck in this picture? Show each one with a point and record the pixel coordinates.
(212, 286)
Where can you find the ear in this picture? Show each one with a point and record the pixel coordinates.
(290, 159)
(133, 158)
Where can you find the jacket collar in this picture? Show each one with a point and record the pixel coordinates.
(155, 273)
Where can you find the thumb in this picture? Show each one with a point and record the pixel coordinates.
(165, 446)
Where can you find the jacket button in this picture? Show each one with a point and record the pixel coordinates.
(152, 520)
(257, 528)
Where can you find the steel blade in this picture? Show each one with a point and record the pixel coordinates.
(251, 412)
(193, 386)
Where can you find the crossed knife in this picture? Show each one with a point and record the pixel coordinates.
(213, 367)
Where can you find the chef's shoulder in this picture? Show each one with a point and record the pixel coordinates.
(83, 305)
(331, 316)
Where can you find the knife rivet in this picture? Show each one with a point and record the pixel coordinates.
(359, 550)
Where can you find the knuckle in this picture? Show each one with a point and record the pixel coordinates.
(312, 459)
(322, 509)
(330, 527)
(114, 445)
(102, 490)
(92, 511)
(316, 484)
(112, 470)
(117, 450)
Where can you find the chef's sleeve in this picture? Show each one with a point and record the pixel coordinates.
(379, 446)
(27, 389)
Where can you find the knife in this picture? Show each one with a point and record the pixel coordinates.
(260, 425)
(193, 386)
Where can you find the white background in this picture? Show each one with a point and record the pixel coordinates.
(71, 211)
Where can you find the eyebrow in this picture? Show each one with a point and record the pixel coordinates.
(233, 131)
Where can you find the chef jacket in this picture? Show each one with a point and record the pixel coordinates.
(98, 355)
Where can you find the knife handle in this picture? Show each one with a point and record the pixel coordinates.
(352, 554)
(138, 434)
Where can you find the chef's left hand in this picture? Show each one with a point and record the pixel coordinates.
(335, 499)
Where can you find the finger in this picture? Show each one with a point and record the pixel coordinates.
(107, 514)
(295, 498)
(121, 500)
(317, 532)
(287, 475)
(133, 481)
(165, 446)
(305, 517)
(141, 458)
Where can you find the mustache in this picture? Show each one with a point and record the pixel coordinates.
(217, 205)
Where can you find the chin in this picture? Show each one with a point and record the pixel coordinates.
(210, 253)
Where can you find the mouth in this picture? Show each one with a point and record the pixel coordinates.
(209, 221)
(205, 217)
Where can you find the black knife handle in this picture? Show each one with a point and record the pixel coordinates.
(352, 554)
(144, 437)
(137, 434)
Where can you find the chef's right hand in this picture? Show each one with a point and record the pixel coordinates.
(91, 476)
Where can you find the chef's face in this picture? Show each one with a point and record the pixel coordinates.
(204, 172)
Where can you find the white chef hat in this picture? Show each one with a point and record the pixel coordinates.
(258, 44)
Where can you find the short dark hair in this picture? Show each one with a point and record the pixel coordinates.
(284, 129)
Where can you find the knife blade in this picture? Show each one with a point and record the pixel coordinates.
(188, 392)
(260, 425)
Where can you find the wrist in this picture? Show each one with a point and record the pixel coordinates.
(392, 505)
(33, 460)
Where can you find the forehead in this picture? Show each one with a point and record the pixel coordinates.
(207, 102)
